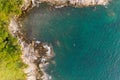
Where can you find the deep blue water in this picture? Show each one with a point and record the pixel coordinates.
(86, 41)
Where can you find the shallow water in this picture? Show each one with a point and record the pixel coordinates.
(86, 41)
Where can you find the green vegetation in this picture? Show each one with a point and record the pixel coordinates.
(11, 66)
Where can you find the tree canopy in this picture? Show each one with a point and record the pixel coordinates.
(11, 66)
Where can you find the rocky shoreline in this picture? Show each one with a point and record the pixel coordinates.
(35, 53)
(74, 3)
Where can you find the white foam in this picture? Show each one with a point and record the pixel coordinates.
(38, 42)
(49, 50)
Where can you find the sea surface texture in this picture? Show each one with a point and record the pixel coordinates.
(86, 41)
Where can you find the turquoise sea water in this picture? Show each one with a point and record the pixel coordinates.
(86, 41)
